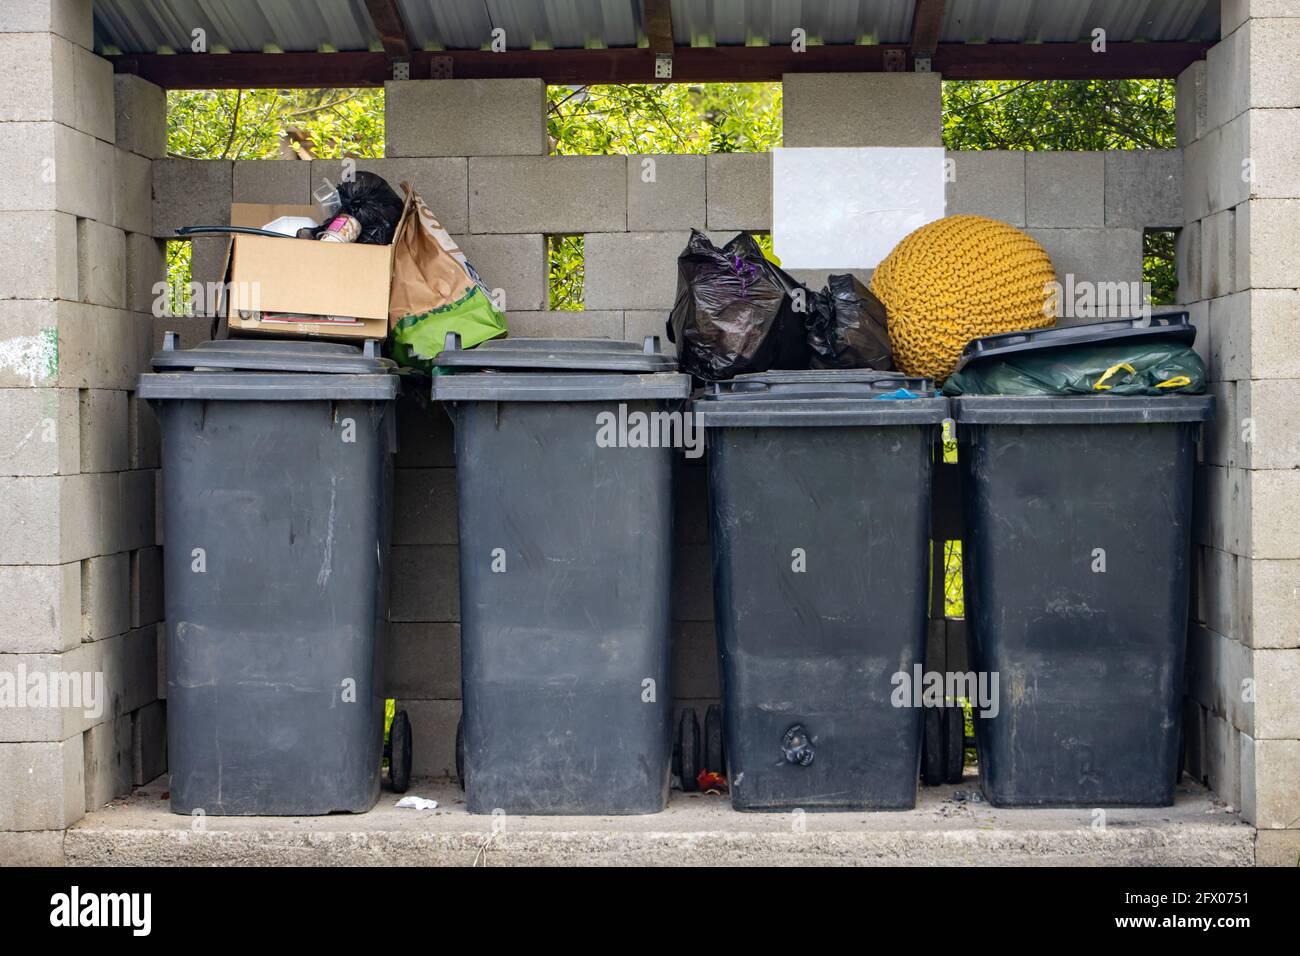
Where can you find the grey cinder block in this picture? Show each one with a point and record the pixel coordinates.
(42, 785)
(423, 662)
(101, 264)
(149, 743)
(107, 753)
(40, 608)
(1065, 189)
(133, 190)
(70, 19)
(140, 116)
(987, 183)
(465, 117)
(548, 194)
(1191, 96)
(425, 584)
(665, 193)
(38, 432)
(189, 192)
(632, 270)
(39, 250)
(739, 190)
(1144, 188)
(567, 325)
(861, 109)
(514, 264)
(424, 501)
(433, 736)
(271, 181)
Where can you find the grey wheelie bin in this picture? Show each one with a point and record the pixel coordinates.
(277, 475)
(819, 486)
(564, 479)
(1076, 562)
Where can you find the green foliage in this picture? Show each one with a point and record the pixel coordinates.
(1159, 266)
(1058, 114)
(565, 255)
(179, 255)
(275, 124)
(627, 119)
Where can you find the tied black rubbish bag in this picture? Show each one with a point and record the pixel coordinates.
(734, 312)
(847, 327)
(374, 204)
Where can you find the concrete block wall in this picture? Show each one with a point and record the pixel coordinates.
(80, 579)
(1238, 126)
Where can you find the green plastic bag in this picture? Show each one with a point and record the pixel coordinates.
(1149, 367)
(417, 339)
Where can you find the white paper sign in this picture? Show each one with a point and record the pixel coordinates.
(846, 208)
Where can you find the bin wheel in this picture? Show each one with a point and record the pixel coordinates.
(714, 754)
(399, 759)
(955, 750)
(932, 749)
(688, 743)
(460, 752)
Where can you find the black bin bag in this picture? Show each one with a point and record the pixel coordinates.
(847, 327)
(371, 202)
(734, 312)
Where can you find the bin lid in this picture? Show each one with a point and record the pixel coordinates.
(1165, 325)
(827, 397)
(265, 355)
(834, 383)
(261, 370)
(1081, 409)
(556, 355)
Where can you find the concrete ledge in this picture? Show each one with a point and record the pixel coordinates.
(694, 830)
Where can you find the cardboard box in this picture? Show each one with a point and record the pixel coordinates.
(275, 275)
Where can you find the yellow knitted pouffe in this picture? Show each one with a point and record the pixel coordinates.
(957, 279)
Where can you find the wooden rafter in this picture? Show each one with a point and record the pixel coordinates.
(391, 28)
(927, 19)
(659, 26)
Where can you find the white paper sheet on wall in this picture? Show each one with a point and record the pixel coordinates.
(846, 208)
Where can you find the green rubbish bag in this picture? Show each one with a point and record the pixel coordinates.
(417, 339)
(1137, 368)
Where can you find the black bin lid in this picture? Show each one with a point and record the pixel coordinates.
(266, 355)
(830, 397)
(556, 355)
(1162, 325)
(815, 383)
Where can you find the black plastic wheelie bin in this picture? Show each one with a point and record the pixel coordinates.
(277, 475)
(564, 479)
(819, 485)
(1076, 562)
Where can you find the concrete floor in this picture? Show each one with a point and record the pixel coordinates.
(696, 829)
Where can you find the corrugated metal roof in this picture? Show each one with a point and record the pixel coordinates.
(146, 26)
